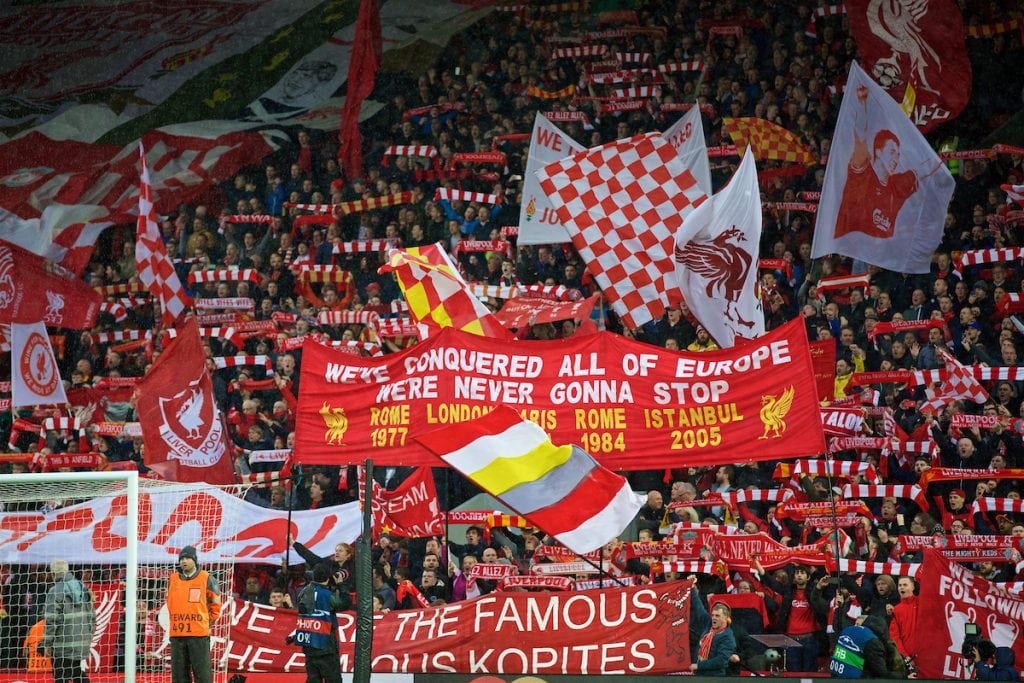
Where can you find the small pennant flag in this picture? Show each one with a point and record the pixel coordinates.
(560, 489)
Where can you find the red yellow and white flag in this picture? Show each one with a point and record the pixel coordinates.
(437, 295)
(561, 489)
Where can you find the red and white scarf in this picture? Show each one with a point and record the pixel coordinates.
(704, 652)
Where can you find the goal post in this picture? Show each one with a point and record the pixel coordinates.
(17, 490)
(121, 535)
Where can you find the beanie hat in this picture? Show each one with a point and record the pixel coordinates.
(321, 573)
(190, 552)
(958, 492)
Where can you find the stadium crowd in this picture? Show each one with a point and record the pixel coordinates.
(484, 89)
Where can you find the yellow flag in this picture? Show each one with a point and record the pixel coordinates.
(909, 98)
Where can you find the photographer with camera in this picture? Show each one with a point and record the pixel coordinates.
(316, 629)
(980, 652)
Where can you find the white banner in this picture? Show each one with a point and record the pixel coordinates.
(538, 223)
(222, 527)
(687, 136)
(35, 379)
(53, 57)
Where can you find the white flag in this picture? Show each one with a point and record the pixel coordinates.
(538, 222)
(35, 379)
(886, 191)
(716, 252)
(687, 136)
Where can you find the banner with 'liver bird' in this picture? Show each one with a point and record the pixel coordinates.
(630, 405)
(181, 426)
(716, 257)
(920, 44)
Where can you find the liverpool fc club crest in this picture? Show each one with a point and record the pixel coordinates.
(190, 427)
(773, 410)
(335, 422)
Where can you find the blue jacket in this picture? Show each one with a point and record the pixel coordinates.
(1002, 670)
(723, 646)
(317, 626)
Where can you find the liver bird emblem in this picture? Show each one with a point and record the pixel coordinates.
(773, 410)
(897, 23)
(190, 414)
(724, 263)
(336, 423)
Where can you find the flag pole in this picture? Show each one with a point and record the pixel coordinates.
(363, 663)
(832, 500)
(447, 521)
(291, 503)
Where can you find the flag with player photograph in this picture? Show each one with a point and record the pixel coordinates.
(886, 191)
(687, 136)
(623, 203)
(538, 220)
(716, 252)
(561, 489)
(35, 379)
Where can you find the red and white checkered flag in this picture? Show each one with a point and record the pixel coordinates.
(959, 384)
(151, 261)
(623, 203)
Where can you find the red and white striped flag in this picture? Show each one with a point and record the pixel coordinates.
(154, 267)
(1014, 193)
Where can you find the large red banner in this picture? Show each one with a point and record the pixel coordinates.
(956, 597)
(921, 44)
(634, 630)
(631, 405)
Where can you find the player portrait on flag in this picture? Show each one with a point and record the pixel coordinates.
(885, 192)
(876, 189)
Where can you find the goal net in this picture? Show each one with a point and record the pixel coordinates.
(120, 535)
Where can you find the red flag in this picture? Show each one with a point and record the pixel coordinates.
(411, 510)
(959, 384)
(31, 292)
(181, 426)
(155, 268)
(920, 44)
(362, 70)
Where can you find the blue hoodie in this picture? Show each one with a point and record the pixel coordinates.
(1002, 670)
